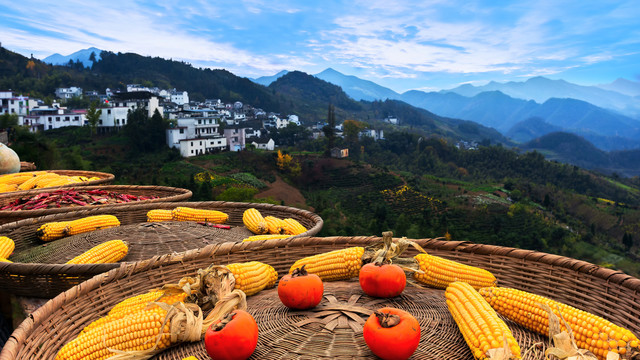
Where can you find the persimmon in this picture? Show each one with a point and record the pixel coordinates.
(392, 334)
(300, 290)
(382, 280)
(235, 337)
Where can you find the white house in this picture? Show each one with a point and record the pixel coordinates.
(179, 97)
(115, 116)
(54, 117)
(263, 143)
(375, 134)
(16, 104)
(199, 146)
(68, 93)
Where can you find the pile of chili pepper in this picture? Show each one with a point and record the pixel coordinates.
(69, 198)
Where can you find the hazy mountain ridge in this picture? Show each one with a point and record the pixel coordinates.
(81, 55)
(541, 89)
(573, 149)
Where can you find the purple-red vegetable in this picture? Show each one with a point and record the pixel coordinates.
(71, 198)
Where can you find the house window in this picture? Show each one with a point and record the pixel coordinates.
(200, 143)
(57, 118)
(192, 151)
(192, 145)
(49, 118)
(109, 111)
(100, 122)
(117, 121)
(199, 122)
(181, 131)
(76, 118)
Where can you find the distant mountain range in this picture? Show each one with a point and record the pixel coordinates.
(491, 106)
(82, 56)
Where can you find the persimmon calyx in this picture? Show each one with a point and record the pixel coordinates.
(387, 320)
(222, 323)
(301, 271)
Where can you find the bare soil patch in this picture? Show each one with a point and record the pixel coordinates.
(279, 190)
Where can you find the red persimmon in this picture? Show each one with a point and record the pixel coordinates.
(392, 334)
(383, 281)
(233, 338)
(300, 290)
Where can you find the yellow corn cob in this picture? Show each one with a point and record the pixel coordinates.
(254, 221)
(478, 322)
(91, 223)
(52, 230)
(6, 247)
(265, 237)
(108, 252)
(156, 215)
(15, 179)
(8, 188)
(293, 227)
(253, 276)
(44, 179)
(440, 272)
(182, 213)
(135, 304)
(275, 225)
(5, 260)
(32, 182)
(54, 182)
(135, 332)
(191, 358)
(333, 265)
(591, 332)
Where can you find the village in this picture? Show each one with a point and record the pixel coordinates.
(195, 128)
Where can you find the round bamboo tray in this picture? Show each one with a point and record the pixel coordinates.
(163, 194)
(332, 330)
(40, 271)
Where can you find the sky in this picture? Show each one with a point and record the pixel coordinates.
(423, 44)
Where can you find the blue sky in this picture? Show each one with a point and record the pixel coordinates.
(423, 44)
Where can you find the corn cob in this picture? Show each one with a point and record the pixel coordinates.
(591, 332)
(293, 227)
(156, 215)
(8, 188)
(191, 358)
(254, 221)
(138, 331)
(108, 252)
(91, 223)
(275, 225)
(16, 179)
(5, 260)
(253, 276)
(182, 213)
(52, 230)
(333, 265)
(32, 182)
(481, 327)
(44, 179)
(135, 304)
(265, 237)
(440, 272)
(54, 182)
(6, 247)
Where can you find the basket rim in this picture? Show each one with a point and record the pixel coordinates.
(21, 334)
(173, 192)
(84, 269)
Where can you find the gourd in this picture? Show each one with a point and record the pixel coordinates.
(9, 160)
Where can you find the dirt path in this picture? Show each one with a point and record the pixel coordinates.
(279, 190)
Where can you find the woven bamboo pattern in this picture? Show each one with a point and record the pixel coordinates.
(42, 273)
(332, 334)
(164, 194)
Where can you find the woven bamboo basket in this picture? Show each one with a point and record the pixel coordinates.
(39, 268)
(163, 194)
(285, 334)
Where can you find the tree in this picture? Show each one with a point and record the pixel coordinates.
(93, 117)
(330, 129)
(352, 129)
